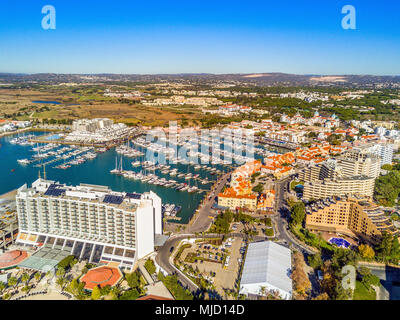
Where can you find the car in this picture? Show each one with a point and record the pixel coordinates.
(172, 249)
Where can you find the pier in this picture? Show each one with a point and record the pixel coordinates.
(108, 145)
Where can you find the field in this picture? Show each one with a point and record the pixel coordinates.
(17, 104)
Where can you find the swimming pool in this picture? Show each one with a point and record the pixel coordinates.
(340, 242)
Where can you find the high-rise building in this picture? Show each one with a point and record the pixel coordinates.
(90, 221)
(382, 150)
(358, 218)
(355, 163)
(357, 185)
(353, 173)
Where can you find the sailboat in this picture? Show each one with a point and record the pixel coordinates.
(117, 170)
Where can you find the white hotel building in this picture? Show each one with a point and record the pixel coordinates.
(91, 222)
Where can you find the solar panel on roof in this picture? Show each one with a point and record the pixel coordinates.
(113, 199)
(136, 196)
(54, 191)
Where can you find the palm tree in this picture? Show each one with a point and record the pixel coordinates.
(12, 281)
(25, 278)
(2, 287)
(60, 272)
(37, 276)
(115, 291)
(61, 282)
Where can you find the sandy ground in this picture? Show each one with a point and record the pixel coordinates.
(9, 195)
(48, 296)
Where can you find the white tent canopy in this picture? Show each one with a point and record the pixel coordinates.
(268, 265)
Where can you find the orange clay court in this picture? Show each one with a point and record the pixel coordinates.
(12, 258)
(101, 276)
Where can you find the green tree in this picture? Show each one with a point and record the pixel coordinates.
(12, 281)
(387, 188)
(60, 272)
(341, 293)
(74, 286)
(387, 167)
(298, 213)
(150, 266)
(388, 249)
(37, 276)
(132, 294)
(25, 278)
(60, 282)
(133, 279)
(395, 250)
(6, 296)
(315, 261)
(366, 252)
(2, 287)
(96, 294)
(115, 292)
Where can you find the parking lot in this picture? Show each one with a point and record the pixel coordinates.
(258, 229)
(216, 263)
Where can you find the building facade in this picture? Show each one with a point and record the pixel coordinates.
(230, 199)
(358, 218)
(319, 189)
(382, 150)
(90, 220)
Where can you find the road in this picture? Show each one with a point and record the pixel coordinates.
(203, 222)
(390, 279)
(282, 216)
(163, 260)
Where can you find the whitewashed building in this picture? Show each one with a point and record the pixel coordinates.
(92, 222)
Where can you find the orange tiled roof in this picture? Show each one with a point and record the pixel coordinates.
(230, 193)
(101, 276)
(12, 258)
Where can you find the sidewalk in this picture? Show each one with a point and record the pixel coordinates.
(145, 273)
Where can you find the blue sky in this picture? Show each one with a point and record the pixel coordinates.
(129, 36)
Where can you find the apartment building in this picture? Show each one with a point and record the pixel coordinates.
(90, 221)
(358, 218)
(352, 173)
(91, 125)
(230, 199)
(355, 163)
(356, 185)
(382, 150)
(327, 170)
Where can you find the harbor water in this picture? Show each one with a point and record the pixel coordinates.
(94, 171)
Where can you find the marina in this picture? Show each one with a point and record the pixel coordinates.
(182, 184)
(134, 166)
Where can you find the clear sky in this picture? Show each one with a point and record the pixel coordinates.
(192, 36)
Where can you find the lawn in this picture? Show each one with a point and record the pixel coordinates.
(362, 293)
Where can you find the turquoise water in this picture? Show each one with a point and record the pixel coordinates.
(46, 102)
(97, 171)
(53, 137)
